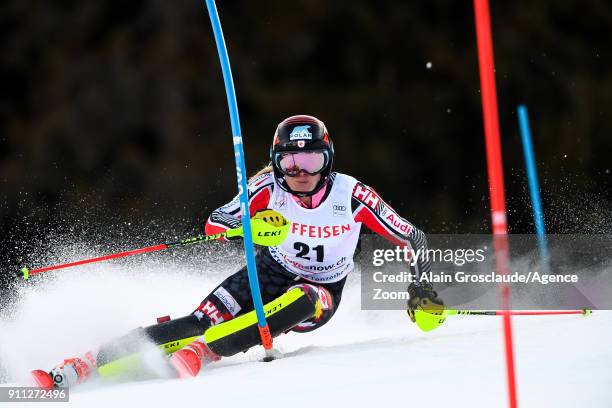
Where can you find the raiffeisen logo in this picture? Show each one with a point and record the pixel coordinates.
(300, 133)
(313, 231)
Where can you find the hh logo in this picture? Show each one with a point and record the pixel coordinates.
(366, 196)
(300, 133)
(210, 310)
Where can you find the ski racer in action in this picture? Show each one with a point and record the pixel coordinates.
(301, 279)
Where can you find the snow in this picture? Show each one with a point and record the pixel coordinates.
(359, 358)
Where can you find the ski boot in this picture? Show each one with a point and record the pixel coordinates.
(72, 371)
(188, 361)
(42, 379)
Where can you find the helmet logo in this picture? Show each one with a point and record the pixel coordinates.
(301, 143)
(300, 133)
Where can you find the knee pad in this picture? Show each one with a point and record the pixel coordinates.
(324, 307)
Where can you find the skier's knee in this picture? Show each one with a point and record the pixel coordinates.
(324, 307)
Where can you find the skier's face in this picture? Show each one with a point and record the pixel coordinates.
(303, 182)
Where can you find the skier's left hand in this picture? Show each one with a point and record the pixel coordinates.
(423, 297)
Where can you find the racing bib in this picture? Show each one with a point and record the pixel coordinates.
(321, 241)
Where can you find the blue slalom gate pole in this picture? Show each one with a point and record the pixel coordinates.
(534, 185)
(241, 176)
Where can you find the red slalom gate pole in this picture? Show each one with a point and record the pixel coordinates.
(496, 178)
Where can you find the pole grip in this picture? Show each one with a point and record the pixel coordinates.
(23, 273)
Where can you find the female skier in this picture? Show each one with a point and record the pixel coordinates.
(307, 271)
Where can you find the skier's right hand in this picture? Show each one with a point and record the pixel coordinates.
(271, 217)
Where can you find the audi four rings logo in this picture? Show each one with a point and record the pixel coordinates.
(339, 209)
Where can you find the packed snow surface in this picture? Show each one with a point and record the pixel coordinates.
(362, 358)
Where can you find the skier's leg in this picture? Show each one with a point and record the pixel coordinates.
(301, 303)
(327, 298)
(231, 300)
(306, 309)
(122, 354)
(298, 306)
(242, 333)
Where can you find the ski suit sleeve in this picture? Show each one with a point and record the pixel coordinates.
(228, 216)
(369, 209)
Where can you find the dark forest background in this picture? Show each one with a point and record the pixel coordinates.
(114, 126)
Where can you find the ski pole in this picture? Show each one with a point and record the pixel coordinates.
(428, 321)
(452, 312)
(268, 227)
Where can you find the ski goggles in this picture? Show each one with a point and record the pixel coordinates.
(292, 163)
